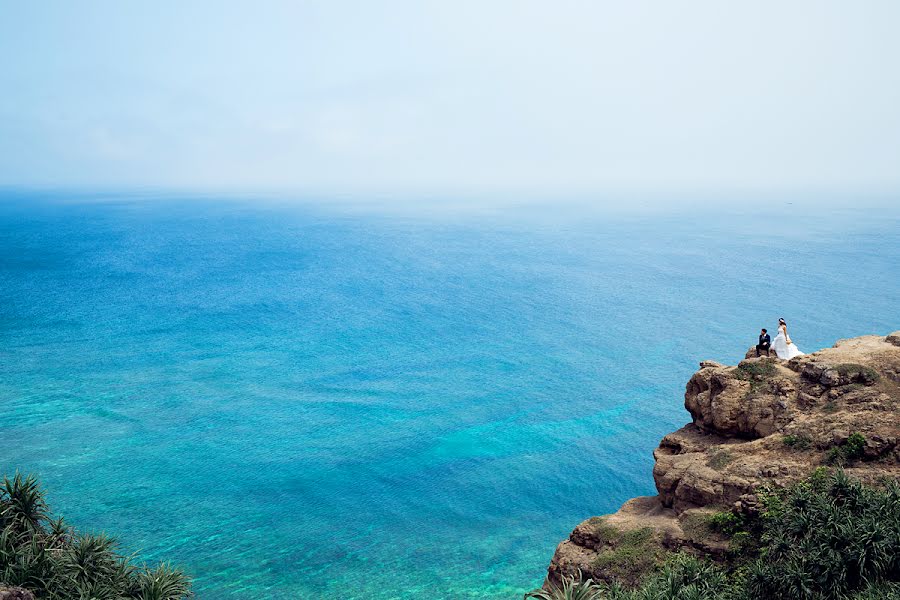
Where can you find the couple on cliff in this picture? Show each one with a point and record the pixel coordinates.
(783, 346)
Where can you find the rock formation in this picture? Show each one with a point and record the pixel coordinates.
(15, 593)
(765, 421)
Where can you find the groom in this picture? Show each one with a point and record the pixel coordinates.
(764, 342)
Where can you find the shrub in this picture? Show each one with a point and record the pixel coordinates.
(826, 538)
(850, 450)
(742, 542)
(797, 442)
(855, 445)
(55, 562)
(726, 522)
(683, 577)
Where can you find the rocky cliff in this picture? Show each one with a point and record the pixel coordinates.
(764, 421)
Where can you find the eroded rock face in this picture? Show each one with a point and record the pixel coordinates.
(764, 421)
(745, 401)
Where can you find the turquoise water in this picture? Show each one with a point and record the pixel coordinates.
(297, 401)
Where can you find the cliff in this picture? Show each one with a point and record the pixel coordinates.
(763, 422)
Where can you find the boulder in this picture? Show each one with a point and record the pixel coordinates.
(15, 593)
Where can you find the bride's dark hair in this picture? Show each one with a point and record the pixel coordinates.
(782, 321)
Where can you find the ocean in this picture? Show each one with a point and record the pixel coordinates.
(328, 400)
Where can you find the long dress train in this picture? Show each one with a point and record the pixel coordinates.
(784, 349)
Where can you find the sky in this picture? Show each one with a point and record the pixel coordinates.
(465, 96)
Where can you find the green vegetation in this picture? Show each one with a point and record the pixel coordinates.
(604, 530)
(634, 553)
(726, 522)
(629, 553)
(757, 373)
(741, 542)
(718, 459)
(847, 452)
(857, 373)
(797, 442)
(758, 370)
(571, 589)
(46, 556)
(827, 538)
(695, 525)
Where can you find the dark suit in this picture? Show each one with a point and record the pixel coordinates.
(764, 342)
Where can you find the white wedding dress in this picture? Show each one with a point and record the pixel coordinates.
(783, 347)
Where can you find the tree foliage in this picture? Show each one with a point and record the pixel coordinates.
(827, 538)
(51, 559)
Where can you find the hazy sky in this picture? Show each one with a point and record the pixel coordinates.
(452, 95)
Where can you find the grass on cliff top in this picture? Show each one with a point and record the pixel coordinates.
(858, 373)
(797, 442)
(718, 459)
(827, 538)
(851, 450)
(757, 373)
(46, 556)
(603, 529)
(761, 369)
(633, 553)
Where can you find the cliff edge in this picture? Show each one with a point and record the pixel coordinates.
(762, 422)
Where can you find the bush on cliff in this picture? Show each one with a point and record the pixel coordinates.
(851, 450)
(49, 558)
(827, 538)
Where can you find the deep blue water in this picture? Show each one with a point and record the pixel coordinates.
(297, 401)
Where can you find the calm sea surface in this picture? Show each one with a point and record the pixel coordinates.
(294, 401)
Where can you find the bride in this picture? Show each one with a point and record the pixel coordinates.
(782, 345)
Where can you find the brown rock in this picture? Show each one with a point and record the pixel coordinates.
(751, 353)
(15, 593)
(747, 401)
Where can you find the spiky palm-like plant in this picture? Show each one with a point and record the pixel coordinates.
(91, 563)
(48, 557)
(683, 578)
(828, 541)
(162, 583)
(22, 504)
(572, 588)
(59, 534)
